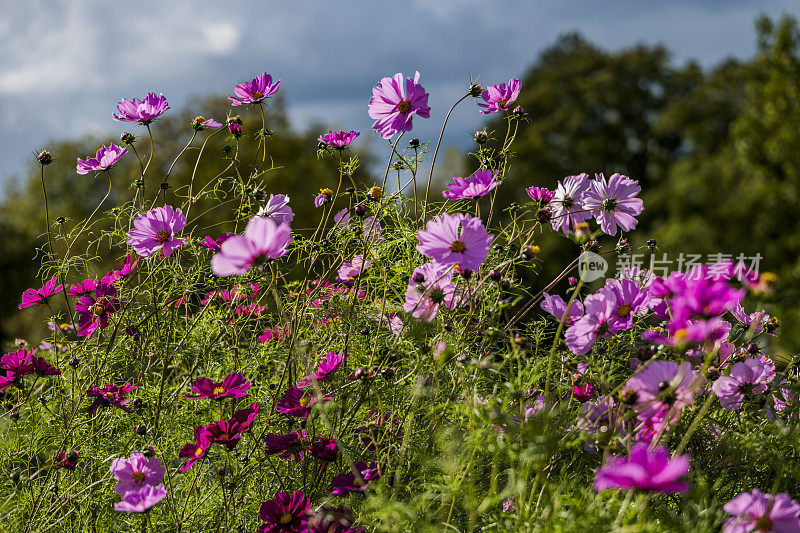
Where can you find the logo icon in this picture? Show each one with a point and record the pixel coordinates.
(591, 267)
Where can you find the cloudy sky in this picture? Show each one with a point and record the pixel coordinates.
(65, 63)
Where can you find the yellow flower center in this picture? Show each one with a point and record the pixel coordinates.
(218, 390)
(305, 401)
(502, 103)
(199, 451)
(286, 518)
(624, 310)
(327, 192)
(138, 477)
(97, 309)
(404, 107)
(680, 334)
(457, 246)
(257, 95)
(358, 483)
(162, 236)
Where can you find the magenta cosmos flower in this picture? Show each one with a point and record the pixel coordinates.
(475, 186)
(39, 296)
(597, 321)
(215, 245)
(95, 310)
(155, 230)
(263, 240)
(298, 402)
(86, 286)
(135, 472)
(338, 139)
(22, 363)
(110, 395)
(195, 451)
(140, 500)
(289, 445)
(651, 471)
(394, 104)
(540, 194)
(747, 380)
(762, 512)
(500, 97)
(613, 202)
(103, 160)
(285, 513)
(233, 386)
(277, 208)
(142, 111)
(127, 268)
(567, 203)
(253, 92)
(356, 480)
(431, 286)
(229, 432)
(200, 123)
(556, 306)
(327, 366)
(455, 239)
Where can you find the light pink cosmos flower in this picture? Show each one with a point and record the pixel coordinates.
(500, 97)
(135, 472)
(103, 160)
(348, 271)
(663, 385)
(253, 92)
(38, 296)
(762, 512)
(613, 202)
(652, 471)
(263, 240)
(475, 186)
(277, 208)
(138, 501)
(567, 203)
(596, 322)
(747, 380)
(394, 104)
(155, 230)
(556, 306)
(430, 287)
(142, 111)
(455, 239)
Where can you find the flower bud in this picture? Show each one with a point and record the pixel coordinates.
(592, 246)
(544, 215)
(360, 210)
(418, 277)
(71, 456)
(350, 190)
(14, 477)
(414, 143)
(149, 451)
(481, 136)
(530, 252)
(652, 243)
(475, 90)
(495, 274)
(141, 430)
(518, 111)
(127, 138)
(44, 157)
(74, 362)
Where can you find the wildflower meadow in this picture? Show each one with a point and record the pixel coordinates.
(395, 361)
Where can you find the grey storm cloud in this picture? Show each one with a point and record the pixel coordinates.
(65, 63)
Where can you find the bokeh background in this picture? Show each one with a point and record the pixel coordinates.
(698, 100)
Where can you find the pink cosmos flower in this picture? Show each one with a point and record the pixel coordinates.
(22, 363)
(110, 395)
(327, 366)
(348, 271)
(324, 449)
(613, 202)
(342, 217)
(39, 296)
(500, 97)
(229, 432)
(127, 268)
(394, 104)
(140, 500)
(233, 386)
(86, 286)
(95, 310)
(200, 123)
(663, 385)
(567, 203)
(263, 240)
(746, 380)
(651, 471)
(277, 332)
(285, 513)
(155, 230)
(141, 111)
(215, 245)
(762, 512)
(455, 239)
(103, 160)
(431, 286)
(195, 451)
(597, 321)
(277, 208)
(253, 92)
(630, 301)
(540, 194)
(475, 186)
(62, 461)
(556, 306)
(338, 140)
(135, 472)
(355, 481)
